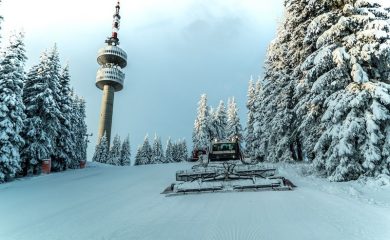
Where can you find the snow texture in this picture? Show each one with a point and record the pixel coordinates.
(108, 202)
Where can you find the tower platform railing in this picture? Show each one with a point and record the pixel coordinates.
(112, 54)
(111, 76)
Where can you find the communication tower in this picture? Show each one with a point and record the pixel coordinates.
(110, 77)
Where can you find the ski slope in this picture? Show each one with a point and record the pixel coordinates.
(102, 202)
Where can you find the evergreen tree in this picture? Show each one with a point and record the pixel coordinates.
(169, 151)
(219, 122)
(281, 137)
(325, 96)
(42, 123)
(176, 152)
(234, 128)
(12, 107)
(157, 151)
(101, 150)
(78, 131)
(249, 138)
(258, 145)
(138, 157)
(97, 154)
(125, 153)
(212, 125)
(184, 150)
(349, 95)
(146, 152)
(201, 132)
(104, 155)
(65, 141)
(180, 152)
(115, 152)
(52, 73)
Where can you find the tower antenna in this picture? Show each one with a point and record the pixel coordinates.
(114, 40)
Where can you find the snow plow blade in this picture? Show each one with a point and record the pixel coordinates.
(226, 177)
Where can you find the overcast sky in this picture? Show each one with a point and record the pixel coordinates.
(177, 50)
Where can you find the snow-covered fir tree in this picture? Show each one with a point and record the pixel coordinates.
(51, 71)
(325, 92)
(169, 151)
(125, 159)
(138, 158)
(201, 132)
(179, 151)
(115, 152)
(310, 103)
(249, 133)
(96, 153)
(42, 123)
(79, 131)
(280, 137)
(219, 122)
(11, 107)
(350, 94)
(212, 129)
(145, 154)
(101, 154)
(233, 128)
(184, 150)
(157, 151)
(104, 151)
(65, 140)
(176, 152)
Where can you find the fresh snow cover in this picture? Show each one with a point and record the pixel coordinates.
(109, 202)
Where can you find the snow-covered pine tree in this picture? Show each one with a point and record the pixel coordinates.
(157, 150)
(11, 107)
(146, 152)
(184, 150)
(259, 144)
(125, 159)
(101, 150)
(65, 140)
(80, 131)
(97, 154)
(201, 132)
(212, 124)
(115, 152)
(169, 151)
(219, 121)
(138, 157)
(249, 133)
(176, 152)
(309, 105)
(42, 115)
(234, 128)
(348, 76)
(179, 151)
(278, 127)
(104, 154)
(51, 71)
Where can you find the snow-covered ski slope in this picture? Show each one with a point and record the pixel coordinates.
(125, 203)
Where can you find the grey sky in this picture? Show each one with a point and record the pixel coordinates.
(177, 50)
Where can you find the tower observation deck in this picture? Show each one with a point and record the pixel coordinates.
(110, 77)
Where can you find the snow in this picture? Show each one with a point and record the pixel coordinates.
(104, 202)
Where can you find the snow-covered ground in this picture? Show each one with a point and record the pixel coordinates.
(103, 202)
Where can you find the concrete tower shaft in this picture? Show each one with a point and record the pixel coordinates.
(105, 122)
(110, 77)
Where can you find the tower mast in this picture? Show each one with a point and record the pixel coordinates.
(110, 77)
